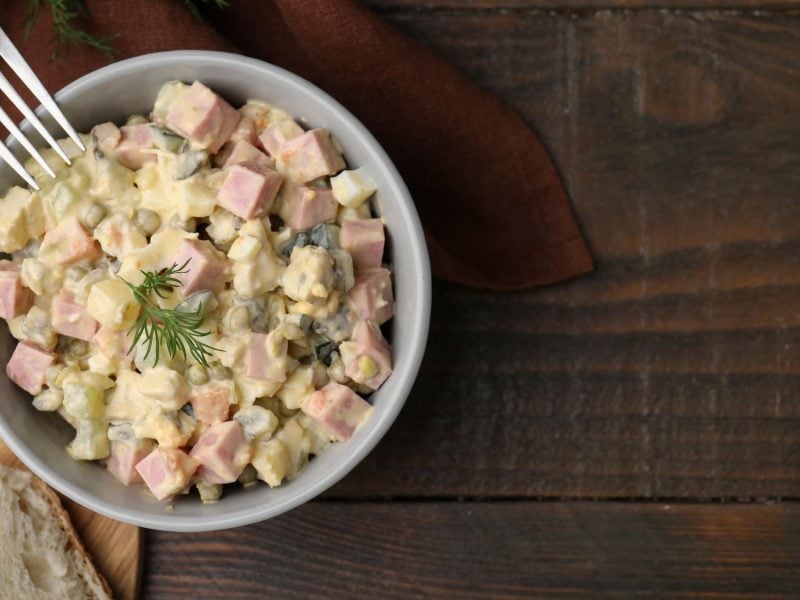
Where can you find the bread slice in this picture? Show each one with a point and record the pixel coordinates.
(41, 554)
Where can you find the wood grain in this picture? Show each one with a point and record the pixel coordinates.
(500, 6)
(671, 371)
(488, 550)
(116, 548)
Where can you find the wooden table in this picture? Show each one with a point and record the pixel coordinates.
(634, 432)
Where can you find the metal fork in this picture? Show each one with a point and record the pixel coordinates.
(13, 58)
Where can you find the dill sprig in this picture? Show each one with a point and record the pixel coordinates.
(65, 13)
(177, 330)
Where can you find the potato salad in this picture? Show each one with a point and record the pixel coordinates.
(199, 295)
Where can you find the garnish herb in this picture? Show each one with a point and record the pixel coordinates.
(178, 331)
(67, 14)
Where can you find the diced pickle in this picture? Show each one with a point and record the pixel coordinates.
(197, 374)
(248, 476)
(83, 401)
(209, 492)
(167, 140)
(256, 421)
(121, 433)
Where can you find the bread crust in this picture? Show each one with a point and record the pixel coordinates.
(64, 521)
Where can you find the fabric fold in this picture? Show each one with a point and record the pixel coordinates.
(493, 207)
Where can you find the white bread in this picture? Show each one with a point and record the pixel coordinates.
(40, 552)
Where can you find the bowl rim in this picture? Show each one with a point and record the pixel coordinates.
(422, 300)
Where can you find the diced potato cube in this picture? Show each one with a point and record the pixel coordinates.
(271, 460)
(352, 188)
(245, 248)
(111, 302)
(48, 401)
(91, 440)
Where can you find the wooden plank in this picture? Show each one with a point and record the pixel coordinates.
(488, 550)
(671, 371)
(499, 6)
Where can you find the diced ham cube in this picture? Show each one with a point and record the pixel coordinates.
(367, 355)
(68, 243)
(277, 134)
(28, 365)
(166, 471)
(223, 452)
(203, 117)
(15, 299)
(266, 357)
(310, 156)
(70, 318)
(364, 240)
(207, 268)
(113, 343)
(211, 404)
(123, 460)
(134, 139)
(243, 151)
(371, 297)
(249, 189)
(303, 207)
(338, 409)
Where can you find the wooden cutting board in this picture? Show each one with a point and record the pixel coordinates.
(117, 548)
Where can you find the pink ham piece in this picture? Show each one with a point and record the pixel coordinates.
(371, 296)
(310, 156)
(303, 207)
(364, 240)
(277, 134)
(207, 268)
(113, 344)
(134, 139)
(123, 460)
(70, 318)
(266, 357)
(28, 365)
(223, 452)
(211, 405)
(202, 116)
(367, 355)
(15, 299)
(69, 243)
(166, 471)
(249, 189)
(243, 151)
(338, 409)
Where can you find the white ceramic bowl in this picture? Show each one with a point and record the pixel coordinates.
(129, 87)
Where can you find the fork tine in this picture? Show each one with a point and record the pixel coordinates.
(12, 128)
(11, 55)
(16, 99)
(9, 157)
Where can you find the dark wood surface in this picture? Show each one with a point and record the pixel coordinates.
(669, 375)
(489, 550)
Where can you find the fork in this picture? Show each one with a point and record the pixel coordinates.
(14, 59)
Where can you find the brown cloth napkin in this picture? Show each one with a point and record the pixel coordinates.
(493, 207)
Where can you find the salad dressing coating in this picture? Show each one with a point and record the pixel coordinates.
(246, 230)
